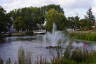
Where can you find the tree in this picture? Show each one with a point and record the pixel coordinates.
(90, 16)
(19, 24)
(85, 24)
(45, 9)
(56, 17)
(28, 17)
(77, 19)
(32, 16)
(4, 21)
(73, 22)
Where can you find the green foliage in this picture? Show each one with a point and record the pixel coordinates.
(62, 61)
(84, 36)
(82, 24)
(80, 56)
(84, 56)
(4, 21)
(54, 16)
(73, 22)
(45, 9)
(29, 33)
(90, 16)
(19, 24)
(26, 19)
(85, 24)
(29, 17)
(21, 56)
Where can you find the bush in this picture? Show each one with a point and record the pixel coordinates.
(79, 56)
(62, 61)
(29, 33)
(83, 56)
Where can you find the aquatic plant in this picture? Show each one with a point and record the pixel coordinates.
(77, 57)
(1, 61)
(9, 61)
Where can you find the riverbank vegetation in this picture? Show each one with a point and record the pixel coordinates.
(18, 34)
(84, 36)
(77, 57)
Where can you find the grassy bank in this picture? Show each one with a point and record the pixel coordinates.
(84, 36)
(19, 34)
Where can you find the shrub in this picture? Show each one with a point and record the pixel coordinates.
(83, 56)
(62, 61)
(29, 33)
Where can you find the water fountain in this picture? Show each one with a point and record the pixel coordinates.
(55, 38)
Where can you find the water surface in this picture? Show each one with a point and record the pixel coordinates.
(34, 44)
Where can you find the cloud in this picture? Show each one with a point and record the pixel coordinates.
(81, 4)
(94, 7)
(75, 12)
(71, 7)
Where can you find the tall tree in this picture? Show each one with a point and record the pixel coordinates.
(56, 17)
(73, 22)
(4, 20)
(90, 16)
(33, 16)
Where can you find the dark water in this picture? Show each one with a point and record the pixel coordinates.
(34, 44)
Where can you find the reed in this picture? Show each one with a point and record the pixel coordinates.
(78, 57)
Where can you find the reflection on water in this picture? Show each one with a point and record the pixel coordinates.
(2, 40)
(35, 45)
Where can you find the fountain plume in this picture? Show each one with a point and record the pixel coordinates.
(55, 38)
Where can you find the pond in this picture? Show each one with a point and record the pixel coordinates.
(34, 44)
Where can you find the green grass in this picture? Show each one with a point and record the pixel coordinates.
(19, 34)
(84, 36)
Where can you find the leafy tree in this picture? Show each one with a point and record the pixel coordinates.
(85, 24)
(45, 9)
(4, 21)
(19, 24)
(56, 17)
(90, 16)
(73, 22)
(31, 16)
(70, 23)
(77, 19)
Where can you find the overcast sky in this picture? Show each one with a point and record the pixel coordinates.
(71, 7)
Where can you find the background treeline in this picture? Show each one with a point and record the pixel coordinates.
(5, 21)
(32, 18)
